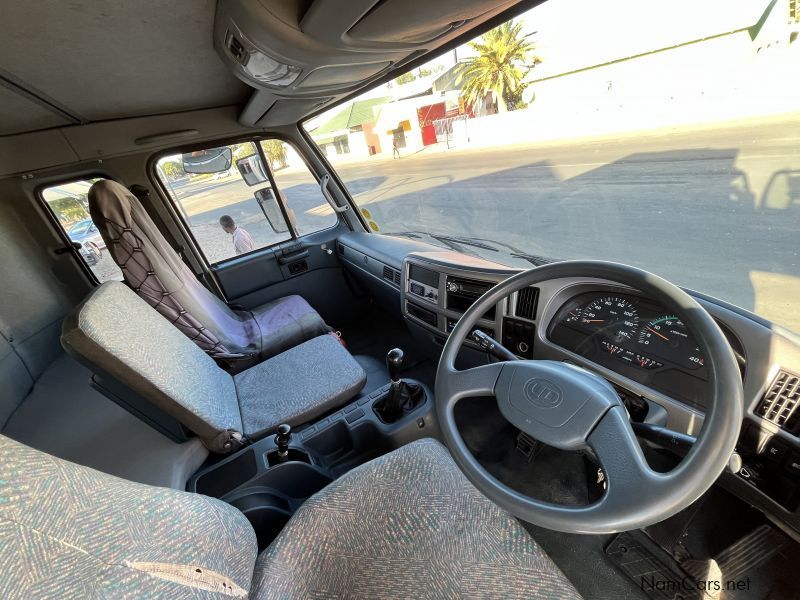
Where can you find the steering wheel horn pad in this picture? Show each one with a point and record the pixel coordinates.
(553, 402)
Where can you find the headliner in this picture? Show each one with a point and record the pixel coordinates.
(131, 58)
(78, 62)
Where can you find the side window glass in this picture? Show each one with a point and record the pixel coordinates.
(69, 203)
(225, 199)
(305, 203)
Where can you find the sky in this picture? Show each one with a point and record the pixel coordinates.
(570, 34)
(576, 33)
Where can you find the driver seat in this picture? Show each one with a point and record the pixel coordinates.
(405, 525)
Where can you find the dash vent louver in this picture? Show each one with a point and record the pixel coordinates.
(526, 303)
(780, 402)
(391, 275)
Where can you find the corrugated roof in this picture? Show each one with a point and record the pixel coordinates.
(357, 113)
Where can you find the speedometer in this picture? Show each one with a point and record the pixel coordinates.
(666, 336)
(613, 317)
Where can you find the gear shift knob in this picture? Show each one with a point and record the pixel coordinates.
(283, 436)
(394, 363)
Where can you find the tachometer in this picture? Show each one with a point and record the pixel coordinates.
(613, 317)
(667, 337)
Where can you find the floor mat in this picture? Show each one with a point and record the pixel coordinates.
(755, 566)
(650, 569)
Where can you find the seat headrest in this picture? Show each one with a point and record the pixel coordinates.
(109, 200)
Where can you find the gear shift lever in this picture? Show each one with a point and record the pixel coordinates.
(283, 436)
(394, 363)
(403, 396)
(392, 408)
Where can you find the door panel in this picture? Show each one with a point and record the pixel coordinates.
(247, 274)
(300, 267)
(263, 225)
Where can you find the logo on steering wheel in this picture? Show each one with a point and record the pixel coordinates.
(543, 393)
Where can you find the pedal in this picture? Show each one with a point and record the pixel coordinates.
(527, 446)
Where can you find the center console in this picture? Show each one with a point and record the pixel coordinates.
(438, 287)
(271, 478)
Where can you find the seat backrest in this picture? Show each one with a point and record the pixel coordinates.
(156, 273)
(116, 333)
(67, 531)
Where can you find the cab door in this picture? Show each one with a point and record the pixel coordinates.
(262, 224)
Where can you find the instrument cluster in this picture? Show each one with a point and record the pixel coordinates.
(634, 336)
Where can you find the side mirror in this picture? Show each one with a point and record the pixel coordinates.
(272, 211)
(782, 190)
(252, 169)
(213, 160)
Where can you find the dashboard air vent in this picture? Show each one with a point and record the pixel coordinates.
(526, 303)
(390, 275)
(780, 403)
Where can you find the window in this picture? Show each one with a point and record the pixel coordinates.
(226, 197)
(307, 206)
(69, 203)
(634, 140)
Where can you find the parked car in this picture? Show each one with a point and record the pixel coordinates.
(90, 252)
(84, 232)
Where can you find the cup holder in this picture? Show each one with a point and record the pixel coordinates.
(271, 498)
(294, 455)
(267, 513)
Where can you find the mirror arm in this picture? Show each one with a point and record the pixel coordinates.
(323, 185)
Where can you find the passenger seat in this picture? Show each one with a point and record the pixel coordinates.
(116, 334)
(236, 338)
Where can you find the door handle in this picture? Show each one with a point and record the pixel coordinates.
(290, 258)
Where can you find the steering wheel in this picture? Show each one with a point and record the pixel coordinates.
(570, 408)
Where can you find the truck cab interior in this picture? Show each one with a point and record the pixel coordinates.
(245, 352)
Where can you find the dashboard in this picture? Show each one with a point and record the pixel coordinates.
(641, 348)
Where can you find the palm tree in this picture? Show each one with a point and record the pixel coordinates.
(505, 57)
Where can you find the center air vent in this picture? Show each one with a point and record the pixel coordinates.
(390, 275)
(780, 403)
(526, 303)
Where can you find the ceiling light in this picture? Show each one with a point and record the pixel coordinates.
(259, 66)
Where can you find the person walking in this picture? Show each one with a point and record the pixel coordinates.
(242, 240)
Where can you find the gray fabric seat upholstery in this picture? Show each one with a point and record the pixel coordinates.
(406, 525)
(322, 360)
(156, 273)
(67, 531)
(114, 332)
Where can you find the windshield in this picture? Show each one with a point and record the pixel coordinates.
(673, 145)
